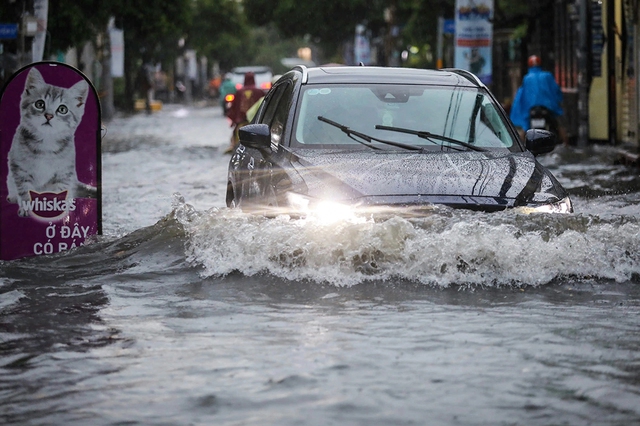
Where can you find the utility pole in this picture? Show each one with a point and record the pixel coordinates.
(40, 12)
(28, 29)
(108, 109)
(583, 75)
(440, 42)
(391, 36)
(611, 71)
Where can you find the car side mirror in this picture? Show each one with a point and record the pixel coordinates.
(540, 141)
(257, 136)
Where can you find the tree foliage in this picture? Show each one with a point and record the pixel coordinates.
(152, 28)
(328, 23)
(73, 22)
(151, 33)
(240, 32)
(267, 47)
(219, 30)
(419, 19)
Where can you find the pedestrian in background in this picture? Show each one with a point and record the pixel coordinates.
(145, 87)
(245, 98)
(254, 108)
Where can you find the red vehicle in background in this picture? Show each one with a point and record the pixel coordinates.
(262, 75)
(246, 96)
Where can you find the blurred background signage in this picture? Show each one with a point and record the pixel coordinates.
(8, 31)
(474, 37)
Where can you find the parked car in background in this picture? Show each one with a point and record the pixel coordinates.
(372, 139)
(262, 74)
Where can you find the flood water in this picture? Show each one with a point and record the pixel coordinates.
(187, 313)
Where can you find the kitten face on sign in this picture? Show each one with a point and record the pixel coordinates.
(48, 110)
(42, 158)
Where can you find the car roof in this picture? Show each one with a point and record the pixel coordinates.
(364, 74)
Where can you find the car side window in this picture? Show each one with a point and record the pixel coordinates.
(271, 102)
(277, 111)
(279, 121)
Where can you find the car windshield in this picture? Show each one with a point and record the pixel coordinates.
(399, 113)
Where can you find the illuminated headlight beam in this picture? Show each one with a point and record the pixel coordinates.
(562, 206)
(323, 210)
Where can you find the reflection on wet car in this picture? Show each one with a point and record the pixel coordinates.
(372, 139)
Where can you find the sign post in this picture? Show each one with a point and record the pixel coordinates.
(50, 168)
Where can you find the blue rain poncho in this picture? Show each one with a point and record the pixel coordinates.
(539, 88)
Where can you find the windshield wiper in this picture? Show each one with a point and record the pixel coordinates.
(351, 133)
(429, 136)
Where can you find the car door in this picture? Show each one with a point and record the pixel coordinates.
(257, 186)
(278, 164)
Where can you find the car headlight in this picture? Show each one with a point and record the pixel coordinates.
(324, 210)
(562, 206)
(298, 202)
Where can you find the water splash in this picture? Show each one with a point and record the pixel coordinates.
(442, 249)
(10, 298)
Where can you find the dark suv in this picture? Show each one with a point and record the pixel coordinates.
(397, 140)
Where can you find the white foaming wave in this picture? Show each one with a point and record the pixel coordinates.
(611, 206)
(441, 250)
(10, 298)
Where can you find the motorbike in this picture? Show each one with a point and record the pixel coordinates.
(226, 102)
(542, 118)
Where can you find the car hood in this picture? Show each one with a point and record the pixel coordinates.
(500, 178)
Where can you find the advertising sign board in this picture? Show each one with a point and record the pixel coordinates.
(50, 169)
(474, 37)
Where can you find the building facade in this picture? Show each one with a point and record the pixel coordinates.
(593, 49)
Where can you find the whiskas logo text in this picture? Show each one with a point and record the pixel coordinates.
(49, 205)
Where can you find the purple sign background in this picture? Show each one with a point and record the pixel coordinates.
(31, 235)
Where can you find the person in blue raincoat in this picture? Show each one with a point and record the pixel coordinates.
(539, 88)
